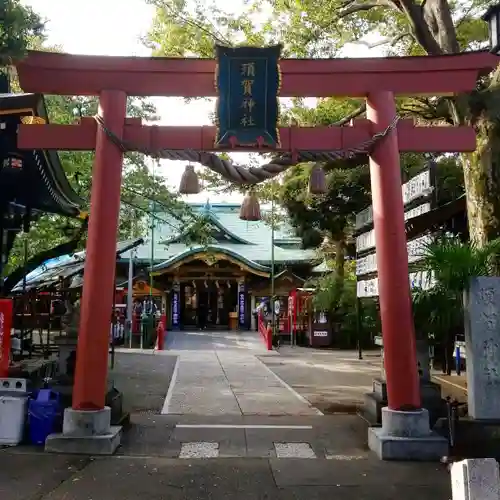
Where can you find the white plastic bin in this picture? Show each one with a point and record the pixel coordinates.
(13, 409)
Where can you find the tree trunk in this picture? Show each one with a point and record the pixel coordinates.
(482, 185)
(340, 249)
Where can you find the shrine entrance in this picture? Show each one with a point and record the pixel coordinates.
(208, 305)
(249, 79)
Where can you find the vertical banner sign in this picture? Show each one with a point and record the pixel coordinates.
(248, 81)
(5, 327)
(175, 306)
(241, 304)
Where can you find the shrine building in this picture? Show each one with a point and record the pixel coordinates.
(225, 279)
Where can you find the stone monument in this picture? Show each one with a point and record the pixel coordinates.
(482, 341)
(377, 399)
(430, 392)
(479, 434)
(475, 479)
(68, 340)
(67, 344)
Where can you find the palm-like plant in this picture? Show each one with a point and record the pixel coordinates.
(452, 264)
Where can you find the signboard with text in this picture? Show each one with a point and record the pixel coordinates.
(418, 279)
(416, 191)
(416, 247)
(5, 331)
(320, 332)
(176, 306)
(417, 187)
(241, 305)
(248, 83)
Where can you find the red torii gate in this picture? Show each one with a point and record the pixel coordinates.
(377, 79)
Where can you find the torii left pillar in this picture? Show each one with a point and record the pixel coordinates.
(87, 425)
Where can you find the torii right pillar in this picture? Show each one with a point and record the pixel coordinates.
(405, 433)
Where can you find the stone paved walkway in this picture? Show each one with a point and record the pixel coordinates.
(227, 382)
(205, 340)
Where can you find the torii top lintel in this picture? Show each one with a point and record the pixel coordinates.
(68, 74)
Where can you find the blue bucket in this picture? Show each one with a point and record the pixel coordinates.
(44, 415)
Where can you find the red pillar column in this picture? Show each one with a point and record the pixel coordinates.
(90, 386)
(403, 389)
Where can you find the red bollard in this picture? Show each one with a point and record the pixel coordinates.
(161, 331)
(269, 338)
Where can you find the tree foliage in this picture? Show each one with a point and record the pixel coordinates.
(439, 311)
(322, 29)
(145, 195)
(18, 26)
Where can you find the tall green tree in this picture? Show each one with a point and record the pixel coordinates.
(322, 28)
(18, 26)
(142, 192)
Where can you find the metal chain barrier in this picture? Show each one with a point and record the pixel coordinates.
(239, 174)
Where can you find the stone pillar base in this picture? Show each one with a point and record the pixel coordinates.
(406, 435)
(377, 399)
(374, 402)
(86, 432)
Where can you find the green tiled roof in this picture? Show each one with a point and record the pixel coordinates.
(255, 237)
(322, 268)
(212, 248)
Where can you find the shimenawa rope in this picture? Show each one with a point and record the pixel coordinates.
(239, 174)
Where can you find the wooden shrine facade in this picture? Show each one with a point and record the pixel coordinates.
(214, 290)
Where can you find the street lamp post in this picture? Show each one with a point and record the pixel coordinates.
(273, 298)
(150, 317)
(130, 299)
(153, 209)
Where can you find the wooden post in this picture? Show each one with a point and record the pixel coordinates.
(93, 339)
(403, 392)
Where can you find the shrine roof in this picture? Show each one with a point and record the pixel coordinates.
(217, 250)
(250, 240)
(40, 183)
(65, 266)
(324, 267)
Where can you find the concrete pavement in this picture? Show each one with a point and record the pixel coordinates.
(144, 380)
(316, 437)
(237, 423)
(29, 477)
(332, 381)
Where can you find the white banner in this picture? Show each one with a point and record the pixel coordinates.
(368, 288)
(365, 241)
(416, 249)
(366, 265)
